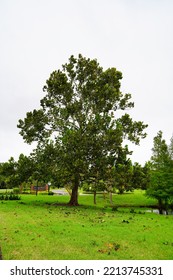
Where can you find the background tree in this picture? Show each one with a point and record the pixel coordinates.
(161, 177)
(2, 177)
(45, 164)
(15, 173)
(123, 171)
(94, 185)
(170, 148)
(24, 170)
(9, 173)
(141, 176)
(79, 110)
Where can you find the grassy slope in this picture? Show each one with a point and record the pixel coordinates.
(39, 228)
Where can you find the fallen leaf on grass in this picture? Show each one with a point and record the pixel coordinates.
(110, 247)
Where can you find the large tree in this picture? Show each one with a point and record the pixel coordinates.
(79, 113)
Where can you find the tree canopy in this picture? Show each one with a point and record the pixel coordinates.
(79, 114)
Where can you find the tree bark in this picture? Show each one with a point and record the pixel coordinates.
(160, 206)
(74, 196)
(104, 194)
(36, 192)
(110, 196)
(95, 197)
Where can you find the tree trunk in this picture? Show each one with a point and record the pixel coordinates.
(95, 197)
(160, 206)
(104, 195)
(21, 188)
(74, 196)
(36, 192)
(110, 195)
(166, 207)
(121, 190)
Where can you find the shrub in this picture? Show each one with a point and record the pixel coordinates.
(16, 190)
(26, 192)
(50, 193)
(132, 211)
(9, 196)
(114, 208)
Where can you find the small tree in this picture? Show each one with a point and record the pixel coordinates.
(94, 185)
(161, 177)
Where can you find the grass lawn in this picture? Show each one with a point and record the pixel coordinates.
(43, 227)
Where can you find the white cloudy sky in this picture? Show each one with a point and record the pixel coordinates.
(38, 36)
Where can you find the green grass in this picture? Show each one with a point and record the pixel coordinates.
(43, 227)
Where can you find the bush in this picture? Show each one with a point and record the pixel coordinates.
(114, 208)
(50, 193)
(9, 196)
(26, 192)
(16, 190)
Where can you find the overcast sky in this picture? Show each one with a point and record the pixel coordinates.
(38, 36)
